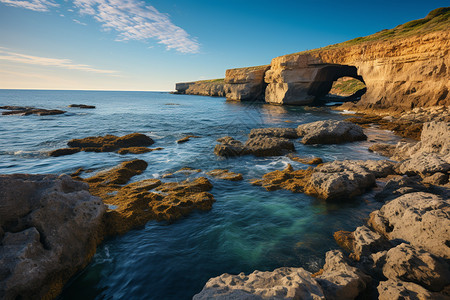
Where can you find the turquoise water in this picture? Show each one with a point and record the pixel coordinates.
(248, 228)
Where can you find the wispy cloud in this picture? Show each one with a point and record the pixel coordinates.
(79, 22)
(36, 5)
(131, 19)
(134, 20)
(9, 56)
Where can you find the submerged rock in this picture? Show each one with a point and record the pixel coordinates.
(82, 106)
(330, 132)
(186, 138)
(305, 160)
(137, 150)
(51, 227)
(422, 219)
(108, 143)
(282, 283)
(26, 111)
(225, 174)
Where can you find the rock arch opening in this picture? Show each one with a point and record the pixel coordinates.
(337, 83)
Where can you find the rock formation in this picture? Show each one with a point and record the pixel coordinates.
(50, 227)
(402, 68)
(130, 143)
(245, 84)
(330, 132)
(213, 87)
(26, 111)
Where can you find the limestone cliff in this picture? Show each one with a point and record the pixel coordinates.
(213, 87)
(402, 68)
(245, 83)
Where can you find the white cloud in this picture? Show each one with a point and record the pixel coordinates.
(36, 5)
(79, 22)
(134, 20)
(9, 56)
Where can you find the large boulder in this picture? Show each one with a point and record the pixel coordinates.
(258, 145)
(422, 219)
(408, 263)
(51, 226)
(425, 164)
(339, 280)
(282, 283)
(288, 133)
(330, 132)
(400, 290)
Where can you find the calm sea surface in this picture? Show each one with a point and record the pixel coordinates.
(248, 228)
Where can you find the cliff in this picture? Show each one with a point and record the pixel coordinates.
(214, 87)
(402, 68)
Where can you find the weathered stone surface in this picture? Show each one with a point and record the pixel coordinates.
(244, 84)
(422, 219)
(229, 147)
(345, 240)
(225, 175)
(52, 226)
(435, 138)
(134, 204)
(282, 283)
(339, 280)
(368, 242)
(425, 164)
(288, 133)
(383, 149)
(398, 186)
(436, 179)
(408, 263)
(400, 290)
(330, 132)
(107, 143)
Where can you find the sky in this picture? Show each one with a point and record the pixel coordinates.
(149, 45)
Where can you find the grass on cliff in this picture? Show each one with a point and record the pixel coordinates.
(436, 20)
(346, 86)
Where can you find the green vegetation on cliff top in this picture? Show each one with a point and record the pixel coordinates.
(436, 20)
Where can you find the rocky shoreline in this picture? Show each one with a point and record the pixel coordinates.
(402, 250)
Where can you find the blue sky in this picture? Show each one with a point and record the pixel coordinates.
(151, 45)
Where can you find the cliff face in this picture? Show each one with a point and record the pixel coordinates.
(401, 73)
(245, 83)
(204, 88)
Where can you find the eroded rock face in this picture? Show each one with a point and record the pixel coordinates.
(245, 84)
(368, 242)
(422, 219)
(330, 132)
(51, 227)
(397, 289)
(213, 87)
(425, 164)
(282, 283)
(339, 280)
(107, 143)
(408, 263)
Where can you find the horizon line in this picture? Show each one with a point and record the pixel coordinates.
(86, 90)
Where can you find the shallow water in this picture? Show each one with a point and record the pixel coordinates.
(248, 228)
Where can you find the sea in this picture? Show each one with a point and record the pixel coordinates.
(248, 227)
